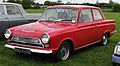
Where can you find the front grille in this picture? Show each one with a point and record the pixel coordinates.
(26, 41)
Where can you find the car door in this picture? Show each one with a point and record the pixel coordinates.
(86, 29)
(14, 15)
(3, 20)
(99, 20)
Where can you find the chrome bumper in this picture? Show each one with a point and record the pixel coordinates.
(32, 50)
(115, 59)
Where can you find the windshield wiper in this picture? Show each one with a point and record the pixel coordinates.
(48, 20)
(63, 20)
(66, 20)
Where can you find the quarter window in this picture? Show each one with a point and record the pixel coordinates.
(96, 14)
(2, 10)
(11, 10)
(86, 15)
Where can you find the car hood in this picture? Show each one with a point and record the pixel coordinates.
(38, 28)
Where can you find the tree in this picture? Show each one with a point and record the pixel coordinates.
(26, 4)
(116, 7)
(12, 1)
(47, 3)
(111, 2)
(104, 5)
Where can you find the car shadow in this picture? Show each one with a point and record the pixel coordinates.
(2, 38)
(37, 58)
(48, 59)
(44, 58)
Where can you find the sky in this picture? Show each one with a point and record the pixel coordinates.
(78, 1)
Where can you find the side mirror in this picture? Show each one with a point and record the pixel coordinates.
(73, 21)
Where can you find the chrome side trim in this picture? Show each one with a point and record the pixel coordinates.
(87, 45)
(114, 32)
(32, 50)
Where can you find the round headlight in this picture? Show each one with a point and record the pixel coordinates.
(45, 38)
(7, 34)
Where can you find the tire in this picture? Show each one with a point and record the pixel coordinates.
(63, 52)
(104, 40)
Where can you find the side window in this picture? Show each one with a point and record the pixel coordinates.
(12, 10)
(74, 14)
(86, 15)
(2, 10)
(96, 14)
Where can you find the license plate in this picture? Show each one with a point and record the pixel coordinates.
(24, 51)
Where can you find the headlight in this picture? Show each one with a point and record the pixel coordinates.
(45, 38)
(7, 34)
(117, 50)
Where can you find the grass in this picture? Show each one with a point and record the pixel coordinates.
(90, 56)
(34, 10)
(107, 10)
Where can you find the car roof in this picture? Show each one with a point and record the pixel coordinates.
(72, 6)
(7, 3)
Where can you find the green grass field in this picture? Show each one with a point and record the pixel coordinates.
(34, 10)
(90, 56)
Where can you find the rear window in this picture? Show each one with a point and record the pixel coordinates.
(97, 15)
(86, 15)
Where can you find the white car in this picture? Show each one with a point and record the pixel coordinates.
(116, 55)
(12, 14)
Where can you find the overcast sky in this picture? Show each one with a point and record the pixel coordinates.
(78, 1)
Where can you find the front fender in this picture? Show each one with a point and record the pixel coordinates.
(57, 40)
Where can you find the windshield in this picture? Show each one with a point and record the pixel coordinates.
(60, 14)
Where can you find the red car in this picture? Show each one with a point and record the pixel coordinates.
(61, 30)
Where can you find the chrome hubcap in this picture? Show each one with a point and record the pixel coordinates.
(64, 53)
(105, 40)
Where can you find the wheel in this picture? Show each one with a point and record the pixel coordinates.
(63, 52)
(104, 40)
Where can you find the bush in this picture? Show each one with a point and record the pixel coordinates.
(104, 5)
(116, 7)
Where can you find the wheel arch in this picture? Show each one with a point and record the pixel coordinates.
(70, 42)
(107, 33)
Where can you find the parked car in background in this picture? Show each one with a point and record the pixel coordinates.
(116, 55)
(12, 14)
(61, 30)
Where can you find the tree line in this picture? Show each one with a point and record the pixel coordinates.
(31, 4)
(26, 3)
(115, 7)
